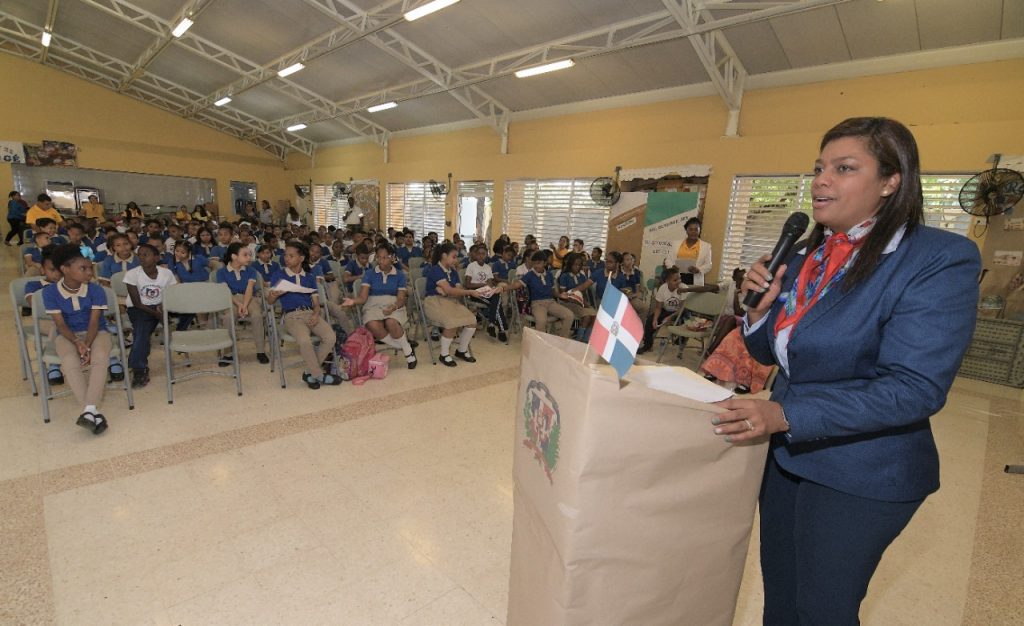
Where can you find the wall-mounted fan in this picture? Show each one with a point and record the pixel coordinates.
(605, 191)
(440, 190)
(992, 192)
(299, 191)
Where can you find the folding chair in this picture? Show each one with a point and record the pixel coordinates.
(416, 263)
(47, 354)
(705, 304)
(26, 333)
(22, 251)
(421, 294)
(193, 299)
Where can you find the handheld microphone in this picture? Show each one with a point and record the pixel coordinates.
(791, 232)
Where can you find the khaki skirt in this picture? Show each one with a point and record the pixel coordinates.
(448, 312)
(373, 310)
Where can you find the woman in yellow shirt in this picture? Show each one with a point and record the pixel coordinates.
(693, 255)
(560, 252)
(182, 215)
(93, 209)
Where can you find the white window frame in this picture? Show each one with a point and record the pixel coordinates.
(760, 204)
(550, 208)
(412, 205)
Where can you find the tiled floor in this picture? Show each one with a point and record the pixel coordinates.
(389, 503)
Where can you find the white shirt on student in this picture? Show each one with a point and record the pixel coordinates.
(151, 290)
(478, 273)
(671, 301)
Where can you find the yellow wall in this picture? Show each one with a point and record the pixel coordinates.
(115, 132)
(959, 115)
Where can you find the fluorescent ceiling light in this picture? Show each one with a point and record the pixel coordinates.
(46, 39)
(291, 69)
(543, 69)
(296, 127)
(222, 101)
(382, 107)
(182, 26)
(428, 8)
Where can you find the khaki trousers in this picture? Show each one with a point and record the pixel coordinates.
(90, 392)
(542, 308)
(256, 319)
(295, 323)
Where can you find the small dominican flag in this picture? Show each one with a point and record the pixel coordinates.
(618, 332)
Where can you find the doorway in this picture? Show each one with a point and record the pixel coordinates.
(241, 193)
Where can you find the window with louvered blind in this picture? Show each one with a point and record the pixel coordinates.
(549, 209)
(759, 206)
(412, 205)
(326, 210)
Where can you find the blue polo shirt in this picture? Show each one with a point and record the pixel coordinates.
(355, 269)
(197, 273)
(322, 267)
(595, 266)
(206, 251)
(569, 281)
(601, 280)
(75, 308)
(35, 285)
(501, 269)
(36, 254)
(435, 274)
(58, 240)
(266, 270)
(404, 254)
(112, 265)
(540, 285)
(634, 280)
(382, 284)
(218, 252)
(291, 300)
(238, 282)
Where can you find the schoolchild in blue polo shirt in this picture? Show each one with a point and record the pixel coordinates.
(383, 296)
(120, 259)
(575, 278)
(266, 264)
(408, 250)
(51, 274)
(357, 265)
(34, 255)
(76, 306)
(505, 263)
(241, 279)
(543, 291)
(596, 264)
(443, 304)
(186, 267)
(301, 314)
(611, 273)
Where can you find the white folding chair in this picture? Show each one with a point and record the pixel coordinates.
(194, 299)
(47, 354)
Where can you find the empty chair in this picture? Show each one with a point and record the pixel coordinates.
(708, 305)
(193, 299)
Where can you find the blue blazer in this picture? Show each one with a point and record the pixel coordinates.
(869, 367)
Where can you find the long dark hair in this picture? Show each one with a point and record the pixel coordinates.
(441, 250)
(232, 250)
(895, 149)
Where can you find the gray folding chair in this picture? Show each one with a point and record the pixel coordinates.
(26, 332)
(708, 305)
(194, 299)
(279, 336)
(421, 294)
(47, 354)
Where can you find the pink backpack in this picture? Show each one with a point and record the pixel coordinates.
(379, 365)
(357, 352)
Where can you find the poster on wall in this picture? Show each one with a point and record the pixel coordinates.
(12, 152)
(51, 154)
(663, 228)
(626, 224)
(367, 203)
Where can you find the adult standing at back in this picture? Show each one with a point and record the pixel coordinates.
(43, 208)
(692, 255)
(266, 213)
(93, 209)
(878, 314)
(16, 211)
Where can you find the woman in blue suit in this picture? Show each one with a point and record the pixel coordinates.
(868, 324)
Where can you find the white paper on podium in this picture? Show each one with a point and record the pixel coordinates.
(678, 381)
(289, 286)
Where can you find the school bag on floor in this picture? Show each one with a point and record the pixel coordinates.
(356, 353)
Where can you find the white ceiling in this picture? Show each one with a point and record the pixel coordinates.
(103, 40)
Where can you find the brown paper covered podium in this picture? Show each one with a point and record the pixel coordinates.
(628, 508)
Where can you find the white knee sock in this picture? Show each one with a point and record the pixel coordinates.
(446, 344)
(391, 341)
(403, 343)
(464, 337)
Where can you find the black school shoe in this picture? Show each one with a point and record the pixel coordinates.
(447, 360)
(503, 337)
(95, 422)
(413, 362)
(140, 378)
(465, 356)
(492, 332)
(224, 361)
(311, 382)
(262, 358)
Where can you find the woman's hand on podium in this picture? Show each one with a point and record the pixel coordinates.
(744, 420)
